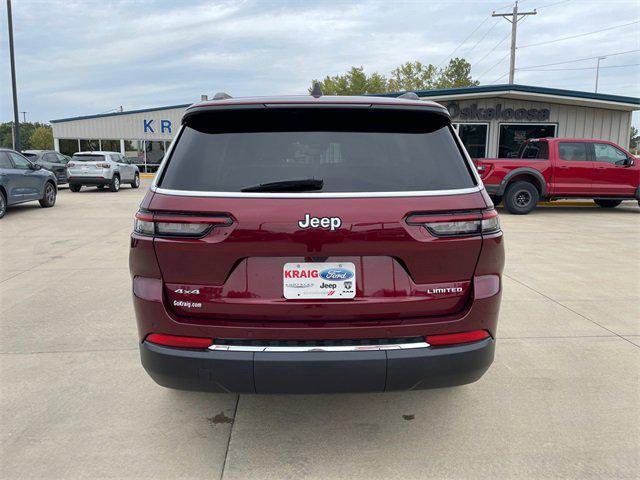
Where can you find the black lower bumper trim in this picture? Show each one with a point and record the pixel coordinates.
(317, 372)
(89, 181)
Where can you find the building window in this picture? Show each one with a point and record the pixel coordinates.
(89, 145)
(154, 153)
(474, 136)
(134, 151)
(513, 135)
(68, 146)
(110, 145)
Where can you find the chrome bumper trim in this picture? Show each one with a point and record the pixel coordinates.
(320, 348)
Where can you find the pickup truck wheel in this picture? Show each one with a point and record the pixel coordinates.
(49, 197)
(74, 188)
(521, 198)
(114, 186)
(3, 205)
(496, 199)
(136, 181)
(608, 203)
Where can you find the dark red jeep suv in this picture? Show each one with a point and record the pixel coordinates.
(316, 244)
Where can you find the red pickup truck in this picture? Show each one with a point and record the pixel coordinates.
(554, 168)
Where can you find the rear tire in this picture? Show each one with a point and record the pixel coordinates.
(136, 181)
(74, 188)
(608, 203)
(496, 199)
(49, 198)
(114, 186)
(3, 204)
(521, 198)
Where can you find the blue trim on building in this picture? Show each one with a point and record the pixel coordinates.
(519, 88)
(115, 114)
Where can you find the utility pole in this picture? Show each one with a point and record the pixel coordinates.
(16, 120)
(515, 18)
(24, 117)
(598, 71)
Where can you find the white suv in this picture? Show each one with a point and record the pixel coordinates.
(101, 169)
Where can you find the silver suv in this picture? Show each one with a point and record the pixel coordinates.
(101, 169)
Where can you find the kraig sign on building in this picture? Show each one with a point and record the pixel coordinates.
(472, 112)
(151, 126)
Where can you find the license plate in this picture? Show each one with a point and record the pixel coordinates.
(319, 280)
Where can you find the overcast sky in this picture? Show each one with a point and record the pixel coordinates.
(86, 57)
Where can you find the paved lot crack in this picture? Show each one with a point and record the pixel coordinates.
(233, 422)
(571, 310)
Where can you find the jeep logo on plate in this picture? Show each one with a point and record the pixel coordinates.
(336, 274)
(331, 223)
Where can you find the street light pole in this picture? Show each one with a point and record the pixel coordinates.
(598, 71)
(16, 119)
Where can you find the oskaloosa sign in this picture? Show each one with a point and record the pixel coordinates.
(472, 112)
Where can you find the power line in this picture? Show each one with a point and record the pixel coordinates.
(583, 68)
(553, 4)
(578, 35)
(483, 37)
(578, 59)
(494, 47)
(494, 65)
(464, 41)
(501, 76)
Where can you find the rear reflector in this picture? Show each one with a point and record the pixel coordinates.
(456, 338)
(176, 341)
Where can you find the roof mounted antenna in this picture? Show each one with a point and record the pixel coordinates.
(316, 92)
(222, 96)
(409, 96)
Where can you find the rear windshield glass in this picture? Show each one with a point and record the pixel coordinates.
(88, 158)
(30, 155)
(350, 151)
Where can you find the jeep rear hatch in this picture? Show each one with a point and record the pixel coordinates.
(351, 183)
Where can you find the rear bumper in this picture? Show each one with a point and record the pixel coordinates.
(89, 180)
(317, 372)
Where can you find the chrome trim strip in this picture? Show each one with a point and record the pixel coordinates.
(319, 348)
(432, 193)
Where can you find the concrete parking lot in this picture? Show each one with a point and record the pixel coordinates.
(562, 399)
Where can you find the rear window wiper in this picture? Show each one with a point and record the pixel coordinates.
(295, 185)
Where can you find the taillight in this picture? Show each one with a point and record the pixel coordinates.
(178, 225)
(70, 165)
(483, 170)
(177, 341)
(103, 165)
(458, 224)
(456, 338)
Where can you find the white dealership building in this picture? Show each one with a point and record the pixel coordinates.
(492, 120)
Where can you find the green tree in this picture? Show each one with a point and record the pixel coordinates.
(42, 138)
(409, 76)
(412, 76)
(456, 74)
(354, 82)
(26, 131)
(634, 139)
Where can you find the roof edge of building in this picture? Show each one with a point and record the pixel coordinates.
(558, 92)
(115, 114)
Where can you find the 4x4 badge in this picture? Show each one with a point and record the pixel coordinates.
(331, 223)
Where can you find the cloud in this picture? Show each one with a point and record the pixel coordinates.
(83, 57)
